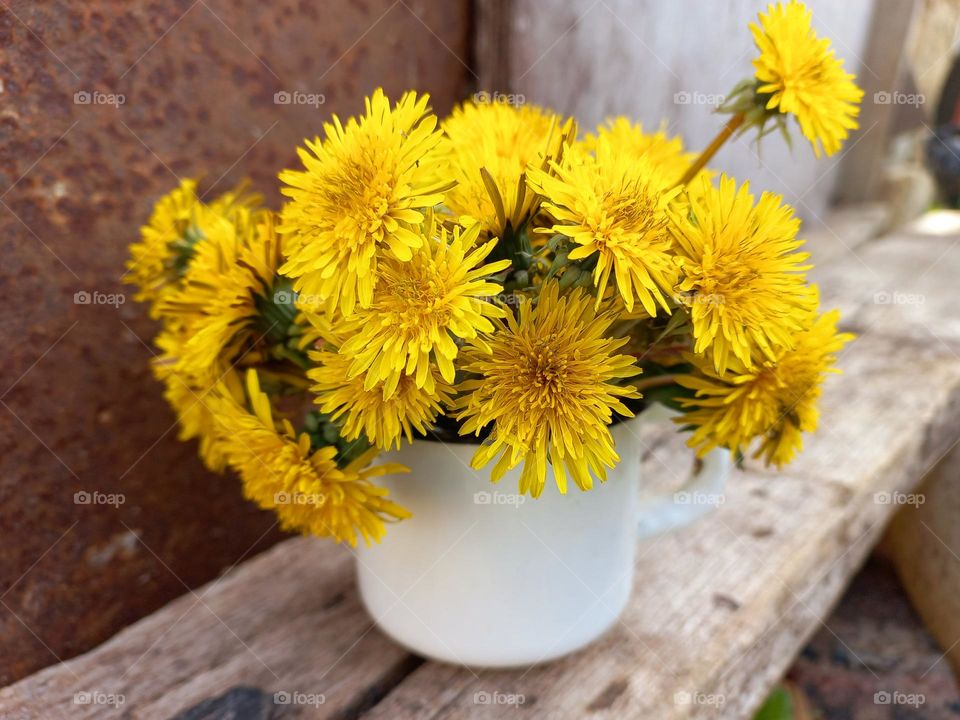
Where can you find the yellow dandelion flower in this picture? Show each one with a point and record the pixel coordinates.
(776, 401)
(422, 306)
(363, 190)
(224, 290)
(500, 140)
(666, 153)
(304, 486)
(382, 418)
(548, 385)
(169, 240)
(802, 76)
(743, 278)
(615, 209)
(191, 399)
(317, 328)
(150, 266)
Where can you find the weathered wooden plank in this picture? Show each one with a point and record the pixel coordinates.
(924, 543)
(859, 175)
(902, 286)
(491, 44)
(288, 621)
(842, 231)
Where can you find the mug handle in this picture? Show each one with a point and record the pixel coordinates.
(680, 507)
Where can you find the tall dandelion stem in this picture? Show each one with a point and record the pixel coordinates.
(733, 124)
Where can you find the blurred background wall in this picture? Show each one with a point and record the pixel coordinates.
(104, 515)
(673, 62)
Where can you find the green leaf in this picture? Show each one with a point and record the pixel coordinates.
(521, 194)
(569, 277)
(494, 194)
(677, 321)
(779, 706)
(325, 432)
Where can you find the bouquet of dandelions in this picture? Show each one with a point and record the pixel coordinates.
(496, 278)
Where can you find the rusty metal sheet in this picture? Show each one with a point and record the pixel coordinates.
(103, 105)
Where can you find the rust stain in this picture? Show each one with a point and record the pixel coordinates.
(79, 169)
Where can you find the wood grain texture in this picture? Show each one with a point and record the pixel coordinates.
(718, 613)
(860, 174)
(904, 286)
(492, 35)
(848, 228)
(924, 544)
(287, 621)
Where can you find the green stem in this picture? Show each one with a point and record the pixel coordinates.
(733, 124)
(655, 382)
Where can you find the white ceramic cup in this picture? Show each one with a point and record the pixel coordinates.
(483, 576)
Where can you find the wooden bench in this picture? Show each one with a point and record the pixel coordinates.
(719, 610)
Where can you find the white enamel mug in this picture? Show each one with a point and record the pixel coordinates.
(482, 576)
